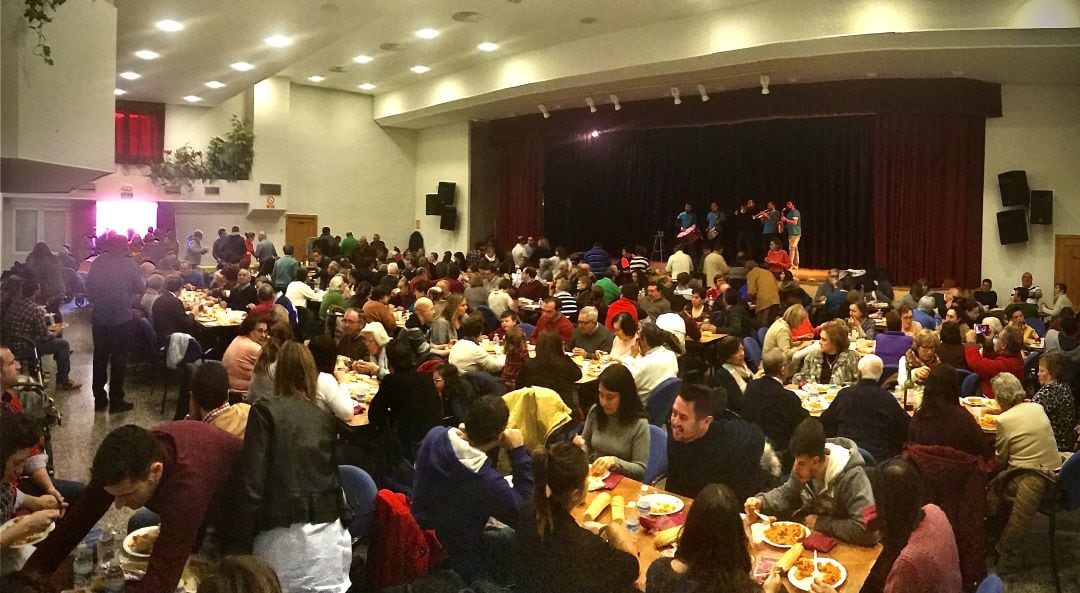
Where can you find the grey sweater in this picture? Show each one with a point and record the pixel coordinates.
(628, 442)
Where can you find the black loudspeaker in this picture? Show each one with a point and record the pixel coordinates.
(1042, 206)
(446, 192)
(1014, 188)
(449, 219)
(434, 205)
(1012, 226)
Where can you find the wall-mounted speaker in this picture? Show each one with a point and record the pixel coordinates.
(448, 222)
(446, 192)
(434, 205)
(1014, 188)
(1042, 206)
(1012, 226)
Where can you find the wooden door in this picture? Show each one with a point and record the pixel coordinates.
(298, 229)
(1067, 264)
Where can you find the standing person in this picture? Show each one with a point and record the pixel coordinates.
(762, 287)
(686, 218)
(285, 269)
(264, 249)
(792, 221)
(113, 285)
(745, 229)
(770, 224)
(712, 222)
(220, 246)
(195, 249)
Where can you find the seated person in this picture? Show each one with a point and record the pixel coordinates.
(770, 406)
(19, 437)
(734, 374)
(892, 344)
(828, 489)
(1057, 398)
(777, 260)
(209, 400)
(1019, 301)
(859, 320)
(551, 319)
(832, 362)
(264, 299)
(407, 402)
(616, 433)
(507, 321)
(530, 288)
(658, 361)
(23, 318)
(466, 354)
(1003, 355)
(243, 293)
(552, 552)
(453, 465)
(925, 313)
(375, 341)
(1060, 301)
(590, 337)
(709, 444)
(331, 396)
(951, 349)
(169, 315)
(192, 276)
(908, 324)
(182, 471)
(350, 343)
(986, 296)
(867, 414)
(779, 337)
(550, 368)
(239, 358)
(734, 318)
(1017, 320)
(922, 358)
(941, 420)
(626, 303)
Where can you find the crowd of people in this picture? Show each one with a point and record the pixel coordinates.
(257, 451)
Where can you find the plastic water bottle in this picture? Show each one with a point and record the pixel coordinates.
(84, 566)
(631, 519)
(114, 579)
(106, 549)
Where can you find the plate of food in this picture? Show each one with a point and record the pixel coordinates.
(784, 534)
(29, 539)
(140, 543)
(978, 402)
(988, 422)
(832, 573)
(662, 504)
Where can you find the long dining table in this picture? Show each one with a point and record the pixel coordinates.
(857, 560)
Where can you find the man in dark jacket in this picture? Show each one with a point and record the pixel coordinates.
(767, 404)
(113, 282)
(457, 488)
(867, 414)
(598, 260)
(244, 293)
(709, 444)
(169, 315)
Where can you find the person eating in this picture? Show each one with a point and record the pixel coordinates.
(832, 362)
(590, 338)
(922, 358)
(616, 433)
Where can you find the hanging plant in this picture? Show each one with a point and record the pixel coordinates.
(37, 14)
(230, 157)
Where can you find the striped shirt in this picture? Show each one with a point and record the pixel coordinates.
(567, 304)
(638, 262)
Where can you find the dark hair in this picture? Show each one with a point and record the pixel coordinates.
(549, 349)
(682, 278)
(619, 379)
(29, 287)
(700, 292)
(727, 346)
(248, 324)
(324, 353)
(471, 327)
(379, 292)
(1069, 323)
(863, 308)
(173, 282)
(126, 454)
(17, 432)
(287, 249)
(230, 273)
(510, 314)
(1023, 293)
(950, 333)
(708, 401)
(732, 297)
(655, 336)
(487, 419)
(562, 468)
(808, 439)
(629, 291)
(400, 355)
(1064, 287)
(897, 487)
(240, 574)
(1055, 365)
(625, 322)
(892, 320)
(713, 542)
(210, 385)
(940, 389)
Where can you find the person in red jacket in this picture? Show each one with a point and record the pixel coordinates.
(626, 303)
(552, 320)
(1005, 357)
(777, 260)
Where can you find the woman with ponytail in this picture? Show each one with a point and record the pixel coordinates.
(553, 553)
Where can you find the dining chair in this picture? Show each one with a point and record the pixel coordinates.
(661, 399)
(656, 467)
(1036, 324)
(527, 328)
(991, 584)
(970, 386)
(761, 335)
(1063, 497)
(752, 351)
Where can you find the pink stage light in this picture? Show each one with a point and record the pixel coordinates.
(121, 215)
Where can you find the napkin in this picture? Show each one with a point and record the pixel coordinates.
(612, 481)
(819, 542)
(653, 523)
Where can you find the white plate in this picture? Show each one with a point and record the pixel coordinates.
(804, 584)
(978, 402)
(131, 539)
(37, 539)
(765, 538)
(668, 499)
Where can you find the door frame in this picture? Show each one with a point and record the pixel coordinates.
(301, 249)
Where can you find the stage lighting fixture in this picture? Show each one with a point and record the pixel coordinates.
(543, 110)
(615, 102)
(595, 134)
(591, 104)
(764, 84)
(675, 93)
(701, 91)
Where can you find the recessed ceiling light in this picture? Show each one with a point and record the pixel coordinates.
(119, 92)
(147, 54)
(393, 46)
(362, 59)
(169, 25)
(214, 84)
(192, 98)
(488, 46)
(420, 69)
(316, 78)
(278, 41)
(427, 33)
(241, 66)
(130, 75)
(367, 86)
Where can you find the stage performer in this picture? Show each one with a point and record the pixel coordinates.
(792, 220)
(686, 218)
(712, 221)
(745, 229)
(770, 224)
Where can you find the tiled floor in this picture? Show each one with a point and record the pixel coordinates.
(76, 440)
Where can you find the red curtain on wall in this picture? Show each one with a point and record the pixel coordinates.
(520, 187)
(140, 132)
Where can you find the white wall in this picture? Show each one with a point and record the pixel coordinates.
(186, 124)
(442, 154)
(1039, 133)
(352, 173)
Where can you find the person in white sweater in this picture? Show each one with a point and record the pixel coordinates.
(299, 293)
(466, 354)
(679, 262)
(659, 361)
(329, 394)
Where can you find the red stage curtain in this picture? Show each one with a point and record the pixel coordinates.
(928, 186)
(520, 186)
(140, 132)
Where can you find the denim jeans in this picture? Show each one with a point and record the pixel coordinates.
(61, 352)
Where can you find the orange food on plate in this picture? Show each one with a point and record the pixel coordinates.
(988, 421)
(785, 534)
(830, 573)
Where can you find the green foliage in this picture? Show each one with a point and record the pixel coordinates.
(180, 168)
(37, 14)
(228, 158)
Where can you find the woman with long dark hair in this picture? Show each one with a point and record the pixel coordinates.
(551, 368)
(616, 434)
(941, 420)
(713, 554)
(552, 552)
(455, 393)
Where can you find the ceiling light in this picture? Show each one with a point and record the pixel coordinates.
(701, 91)
(193, 98)
(543, 111)
(427, 33)
(362, 59)
(615, 102)
(591, 104)
(488, 46)
(119, 92)
(169, 25)
(130, 75)
(214, 84)
(278, 41)
(764, 84)
(420, 69)
(241, 66)
(367, 86)
(146, 54)
(595, 134)
(675, 93)
(316, 78)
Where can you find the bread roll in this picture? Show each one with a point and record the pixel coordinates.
(618, 514)
(597, 506)
(666, 537)
(790, 557)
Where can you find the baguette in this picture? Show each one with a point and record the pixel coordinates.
(666, 537)
(597, 506)
(790, 557)
(618, 512)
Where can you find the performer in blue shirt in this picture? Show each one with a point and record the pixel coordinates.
(792, 220)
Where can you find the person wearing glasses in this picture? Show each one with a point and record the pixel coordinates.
(239, 358)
